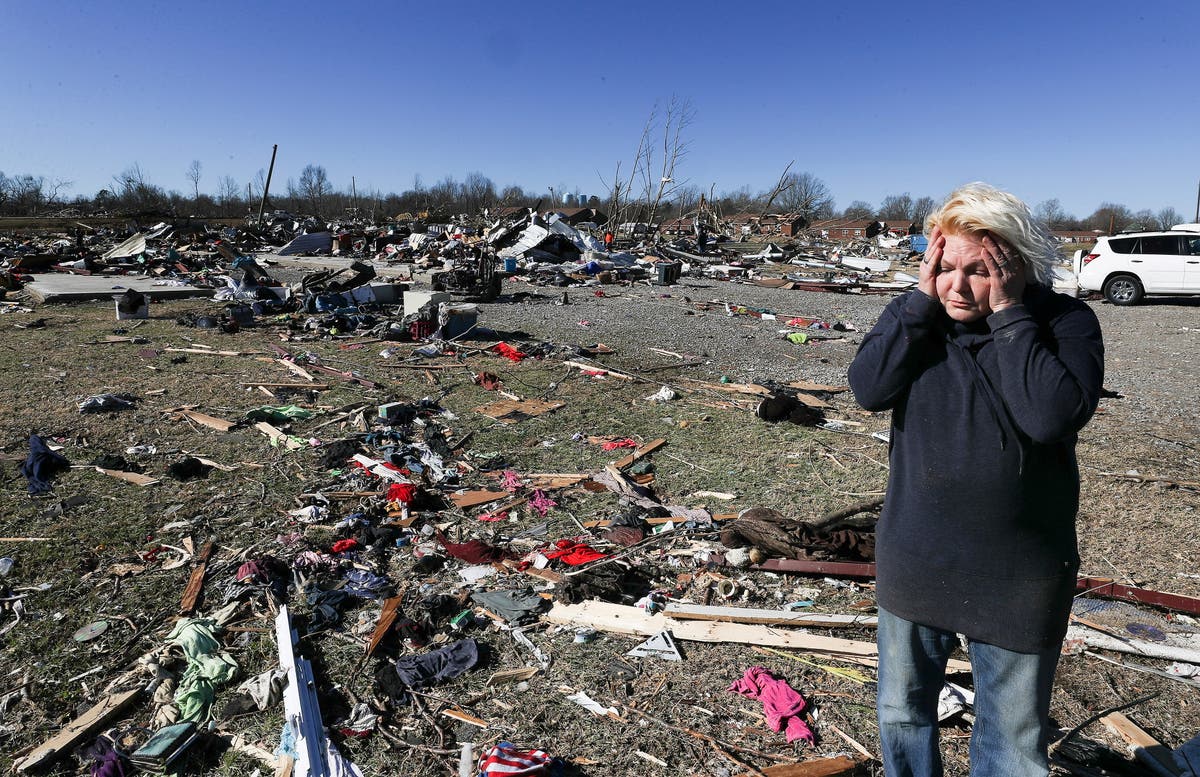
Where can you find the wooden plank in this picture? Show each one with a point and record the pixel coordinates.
(391, 609)
(79, 729)
(508, 411)
(506, 676)
(205, 351)
(644, 450)
(475, 498)
(1147, 749)
(187, 604)
(822, 767)
(204, 419)
(807, 385)
(806, 567)
(632, 621)
(592, 368)
(277, 436)
(264, 384)
(297, 369)
(129, 477)
(777, 617)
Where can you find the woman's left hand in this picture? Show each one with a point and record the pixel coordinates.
(1006, 270)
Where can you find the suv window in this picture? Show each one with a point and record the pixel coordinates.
(1159, 244)
(1122, 245)
(1193, 245)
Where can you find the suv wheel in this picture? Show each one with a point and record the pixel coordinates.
(1123, 290)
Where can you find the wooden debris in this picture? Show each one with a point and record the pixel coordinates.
(465, 718)
(129, 477)
(297, 369)
(822, 767)
(775, 617)
(806, 385)
(1145, 748)
(212, 422)
(278, 437)
(632, 621)
(79, 729)
(596, 369)
(475, 498)
(391, 609)
(192, 592)
(306, 386)
(507, 411)
(506, 676)
(206, 351)
(644, 450)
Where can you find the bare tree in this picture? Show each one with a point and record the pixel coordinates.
(896, 207)
(229, 195)
(1050, 212)
(314, 186)
(806, 195)
(193, 175)
(1169, 217)
(858, 210)
(922, 208)
(661, 148)
(1109, 217)
(478, 192)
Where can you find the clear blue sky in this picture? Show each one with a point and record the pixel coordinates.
(1085, 102)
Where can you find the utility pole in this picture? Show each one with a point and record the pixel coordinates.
(353, 197)
(1197, 219)
(267, 188)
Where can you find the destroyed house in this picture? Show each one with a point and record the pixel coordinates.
(572, 216)
(680, 226)
(847, 229)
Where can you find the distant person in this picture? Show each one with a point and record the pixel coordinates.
(989, 375)
(702, 238)
(608, 240)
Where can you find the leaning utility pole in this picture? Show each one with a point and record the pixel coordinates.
(267, 187)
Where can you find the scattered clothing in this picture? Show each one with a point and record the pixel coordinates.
(513, 605)
(41, 465)
(506, 760)
(574, 553)
(782, 704)
(445, 663)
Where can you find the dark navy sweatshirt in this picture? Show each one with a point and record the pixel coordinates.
(977, 532)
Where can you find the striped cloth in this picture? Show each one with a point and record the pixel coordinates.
(506, 759)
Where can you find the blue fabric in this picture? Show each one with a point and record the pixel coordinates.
(1012, 702)
(977, 532)
(41, 465)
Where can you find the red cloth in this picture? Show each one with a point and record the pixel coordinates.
(488, 381)
(781, 702)
(574, 553)
(473, 552)
(341, 546)
(507, 351)
(401, 492)
(612, 445)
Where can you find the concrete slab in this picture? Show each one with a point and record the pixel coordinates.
(61, 287)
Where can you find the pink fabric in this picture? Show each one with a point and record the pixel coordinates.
(780, 701)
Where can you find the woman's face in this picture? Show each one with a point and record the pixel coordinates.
(963, 285)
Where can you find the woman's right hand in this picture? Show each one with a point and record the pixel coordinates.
(931, 263)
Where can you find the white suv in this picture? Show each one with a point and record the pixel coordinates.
(1128, 266)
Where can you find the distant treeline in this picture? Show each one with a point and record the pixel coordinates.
(131, 193)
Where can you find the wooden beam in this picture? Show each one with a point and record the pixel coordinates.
(191, 593)
(1147, 749)
(774, 617)
(644, 450)
(1102, 586)
(212, 422)
(79, 729)
(822, 767)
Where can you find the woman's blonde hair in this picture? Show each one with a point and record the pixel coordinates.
(978, 207)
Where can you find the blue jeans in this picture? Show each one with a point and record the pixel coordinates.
(1012, 703)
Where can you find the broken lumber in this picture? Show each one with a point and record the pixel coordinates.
(772, 617)
(196, 581)
(641, 451)
(129, 477)
(212, 422)
(79, 729)
(822, 767)
(1156, 756)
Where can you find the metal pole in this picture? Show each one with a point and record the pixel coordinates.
(1197, 219)
(267, 188)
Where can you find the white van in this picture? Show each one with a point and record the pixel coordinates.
(1129, 266)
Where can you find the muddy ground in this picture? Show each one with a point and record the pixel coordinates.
(1137, 522)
